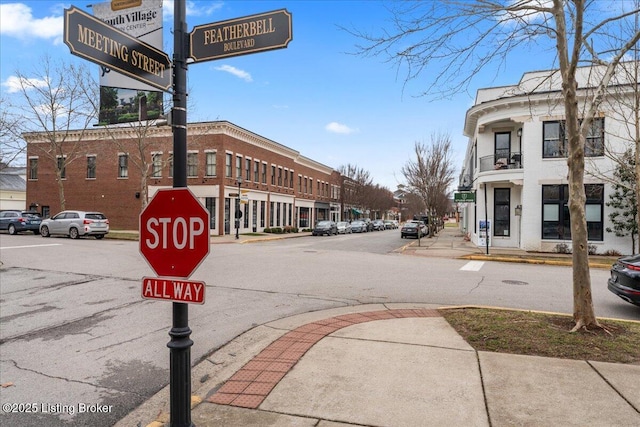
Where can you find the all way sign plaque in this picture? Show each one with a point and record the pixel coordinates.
(96, 41)
(176, 290)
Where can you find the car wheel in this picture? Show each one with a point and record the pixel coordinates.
(12, 229)
(44, 231)
(99, 236)
(73, 233)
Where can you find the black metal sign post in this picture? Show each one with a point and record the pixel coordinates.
(103, 44)
(180, 344)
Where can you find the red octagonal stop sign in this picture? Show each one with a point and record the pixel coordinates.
(174, 232)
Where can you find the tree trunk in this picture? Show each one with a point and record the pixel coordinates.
(61, 197)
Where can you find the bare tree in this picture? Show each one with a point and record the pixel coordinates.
(12, 147)
(56, 103)
(354, 185)
(430, 175)
(454, 40)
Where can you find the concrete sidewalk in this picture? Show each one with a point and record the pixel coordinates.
(392, 365)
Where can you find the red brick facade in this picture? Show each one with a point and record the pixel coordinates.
(314, 193)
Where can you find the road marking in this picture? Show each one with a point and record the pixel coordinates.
(472, 266)
(32, 246)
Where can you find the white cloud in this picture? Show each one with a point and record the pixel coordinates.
(236, 72)
(193, 8)
(336, 127)
(16, 20)
(14, 85)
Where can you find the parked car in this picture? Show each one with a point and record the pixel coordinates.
(75, 224)
(390, 225)
(625, 279)
(344, 227)
(15, 221)
(369, 224)
(413, 229)
(358, 227)
(325, 227)
(378, 224)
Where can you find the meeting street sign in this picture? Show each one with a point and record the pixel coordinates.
(241, 36)
(96, 41)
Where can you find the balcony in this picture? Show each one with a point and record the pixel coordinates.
(505, 161)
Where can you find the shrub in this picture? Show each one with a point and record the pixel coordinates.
(267, 230)
(563, 248)
(612, 252)
(592, 249)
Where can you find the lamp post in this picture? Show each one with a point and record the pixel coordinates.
(238, 212)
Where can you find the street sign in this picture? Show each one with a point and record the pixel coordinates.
(174, 232)
(96, 41)
(233, 194)
(175, 290)
(463, 197)
(241, 36)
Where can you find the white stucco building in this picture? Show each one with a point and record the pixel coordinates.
(516, 162)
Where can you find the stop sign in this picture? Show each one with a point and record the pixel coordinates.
(174, 232)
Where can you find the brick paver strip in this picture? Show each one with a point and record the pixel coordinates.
(248, 387)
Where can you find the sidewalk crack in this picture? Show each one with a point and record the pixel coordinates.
(612, 386)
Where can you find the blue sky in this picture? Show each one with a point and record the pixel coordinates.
(314, 96)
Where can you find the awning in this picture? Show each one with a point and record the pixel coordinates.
(356, 211)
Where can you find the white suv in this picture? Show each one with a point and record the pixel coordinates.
(75, 224)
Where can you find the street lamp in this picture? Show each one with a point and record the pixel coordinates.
(238, 212)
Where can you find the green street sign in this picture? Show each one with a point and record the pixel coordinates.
(464, 197)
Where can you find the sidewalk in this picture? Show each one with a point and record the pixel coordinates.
(393, 365)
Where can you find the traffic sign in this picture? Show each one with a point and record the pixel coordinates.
(241, 36)
(175, 290)
(174, 232)
(96, 41)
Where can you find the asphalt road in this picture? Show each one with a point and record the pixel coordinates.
(80, 347)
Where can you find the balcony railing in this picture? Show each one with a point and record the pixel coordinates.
(512, 160)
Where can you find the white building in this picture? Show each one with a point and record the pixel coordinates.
(516, 162)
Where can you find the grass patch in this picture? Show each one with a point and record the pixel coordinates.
(538, 334)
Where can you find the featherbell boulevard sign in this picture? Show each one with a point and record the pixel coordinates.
(241, 36)
(92, 39)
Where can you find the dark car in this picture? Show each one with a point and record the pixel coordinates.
(625, 279)
(325, 227)
(358, 227)
(378, 224)
(15, 221)
(413, 229)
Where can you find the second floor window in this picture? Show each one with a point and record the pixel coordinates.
(192, 164)
(556, 145)
(211, 164)
(123, 165)
(62, 167)
(156, 165)
(33, 168)
(227, 165)
(91, 167)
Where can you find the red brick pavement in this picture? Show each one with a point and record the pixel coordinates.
(249, 386)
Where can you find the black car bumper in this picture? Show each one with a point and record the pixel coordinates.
(628, 294)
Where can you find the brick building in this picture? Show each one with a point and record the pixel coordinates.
(103, 170)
